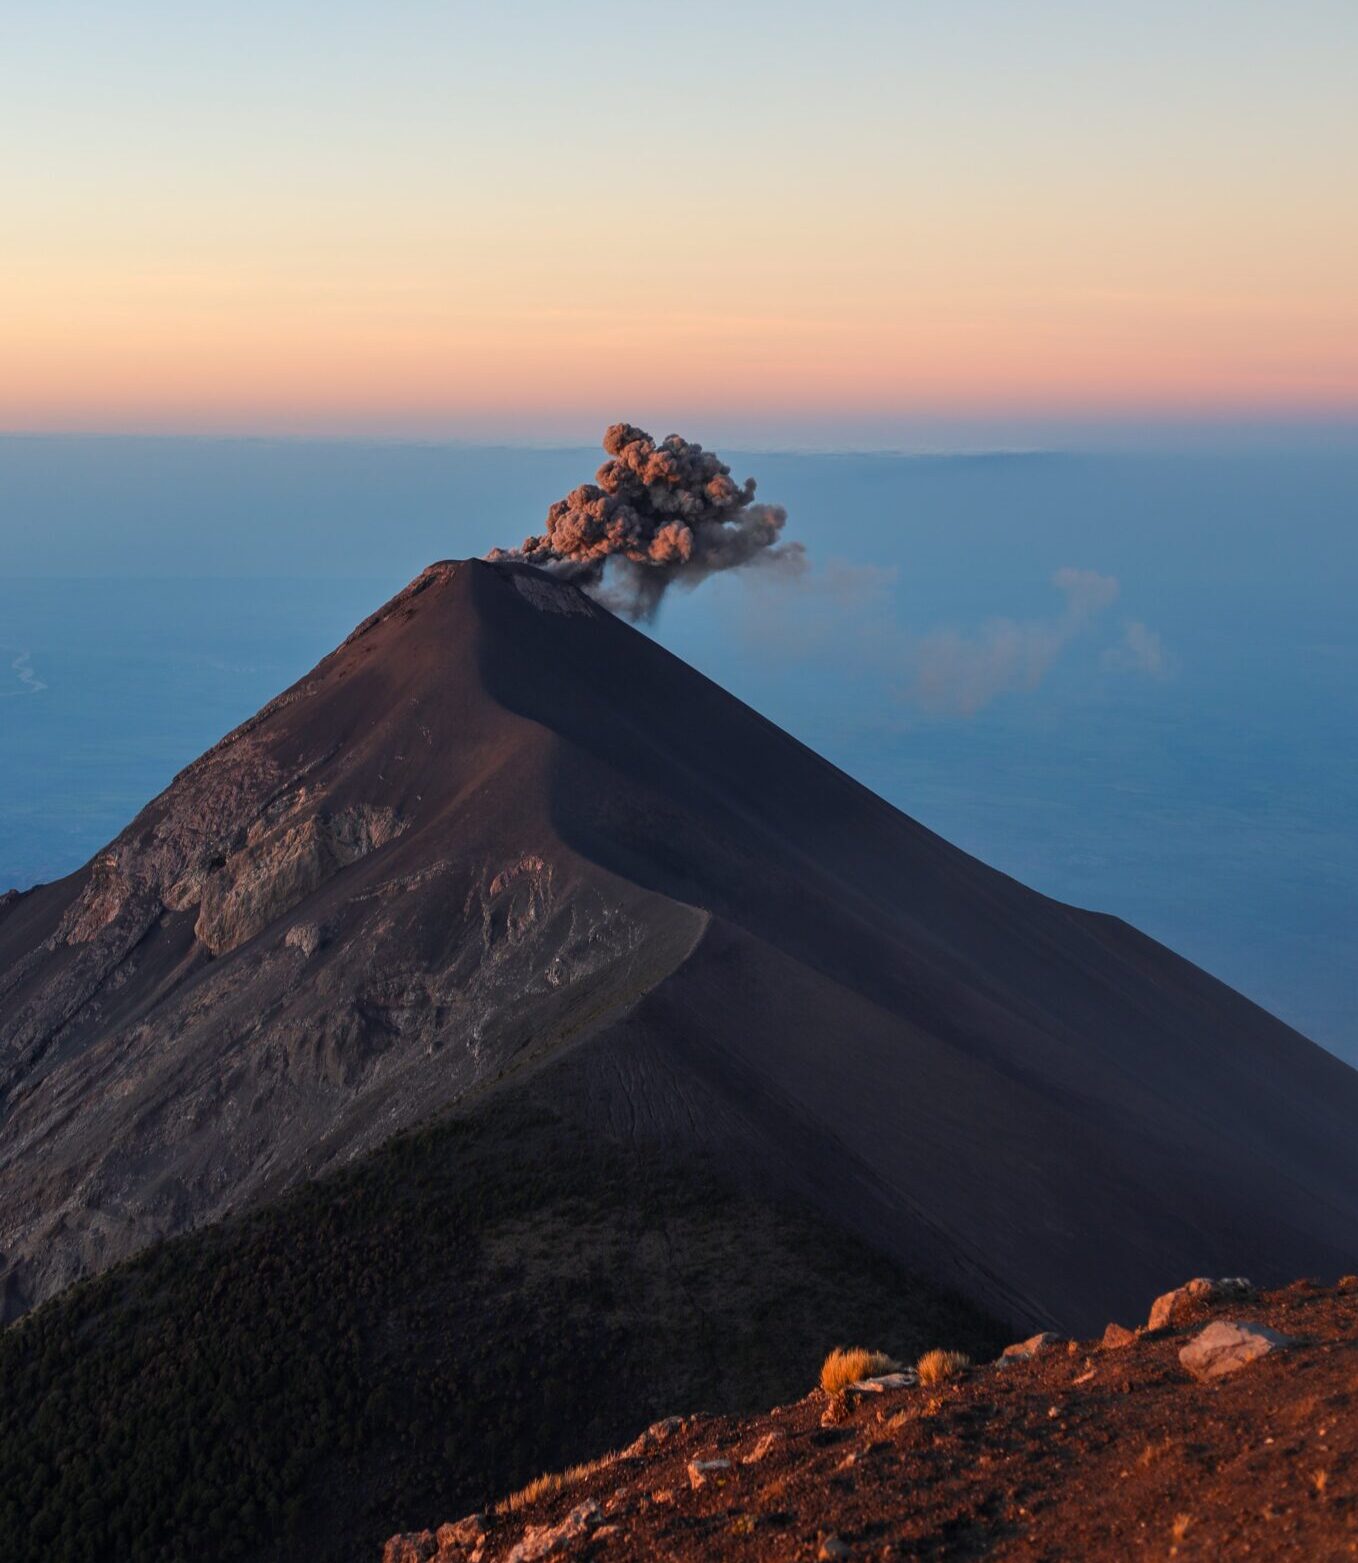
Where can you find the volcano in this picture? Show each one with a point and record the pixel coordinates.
(499, 841)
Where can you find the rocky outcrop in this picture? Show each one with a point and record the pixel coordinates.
(459, 1543)
(278, 866)
(545, 1541)
(1185, 1301)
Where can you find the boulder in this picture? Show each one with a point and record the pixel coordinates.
(700, 1472)
(414, 1547)
(1224, 1347)
(467, 1532)
(305, 937)
(1173, 1307)
(1116, 1336)
(1032, 1346)
(655, 1435)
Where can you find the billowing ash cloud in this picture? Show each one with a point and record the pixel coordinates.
(656, 515)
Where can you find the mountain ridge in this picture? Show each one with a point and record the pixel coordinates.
(496, 825)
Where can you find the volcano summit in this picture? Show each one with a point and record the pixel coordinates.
(499, 837)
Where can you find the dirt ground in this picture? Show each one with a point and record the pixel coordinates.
(1085, 1451)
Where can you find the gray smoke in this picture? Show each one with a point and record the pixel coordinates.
(656, 515)
(961, 674)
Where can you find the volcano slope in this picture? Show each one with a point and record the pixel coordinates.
(499, 836)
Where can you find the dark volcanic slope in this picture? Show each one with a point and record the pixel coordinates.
(498, 827)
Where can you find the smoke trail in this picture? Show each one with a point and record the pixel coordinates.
(961, 674)
(29, 682)
(655, 515)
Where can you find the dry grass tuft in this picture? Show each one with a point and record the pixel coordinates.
(1180, 1527)
(551, 1483)
(935, 1367)
(1154, 1451)
(847, 1364)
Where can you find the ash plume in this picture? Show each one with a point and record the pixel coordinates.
(656, 515)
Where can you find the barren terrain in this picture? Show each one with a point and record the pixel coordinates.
(1088, 1449)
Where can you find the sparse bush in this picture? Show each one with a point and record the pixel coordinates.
(848, 1364)
(551, 1483)
(935, 1367)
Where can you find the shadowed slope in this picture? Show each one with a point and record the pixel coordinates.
(1047, 1104)
(473, 1303)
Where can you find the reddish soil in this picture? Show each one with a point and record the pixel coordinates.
(1083, 1451)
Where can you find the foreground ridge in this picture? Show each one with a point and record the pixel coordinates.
(1148, 1440)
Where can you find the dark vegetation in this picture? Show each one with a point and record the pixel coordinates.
(477, 1302)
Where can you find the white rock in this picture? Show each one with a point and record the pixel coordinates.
(1225, 1346)
(701, 1471)
(884, 1381)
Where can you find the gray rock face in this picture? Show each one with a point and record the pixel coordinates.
(1225, 1347)
(278, 866)
(324, 930)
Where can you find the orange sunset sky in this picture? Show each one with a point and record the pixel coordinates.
(511, 222)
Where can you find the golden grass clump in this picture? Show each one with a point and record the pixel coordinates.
(935, 1367)
(551, 1483)
(848, 1364)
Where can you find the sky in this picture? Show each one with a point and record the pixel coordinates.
(866, 224)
